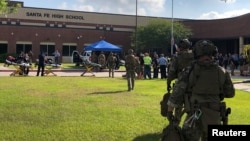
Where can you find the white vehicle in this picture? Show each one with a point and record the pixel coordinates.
(80, 57)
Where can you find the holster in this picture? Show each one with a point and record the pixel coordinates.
(187, 105)
(224, 112)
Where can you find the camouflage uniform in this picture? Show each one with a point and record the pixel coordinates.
(206, 84)
(111, 62)
(182, 60)
(130, 65)
(102, 60)
(94, 58)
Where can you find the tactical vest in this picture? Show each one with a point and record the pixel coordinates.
(207, 80)
(130, 62)
(178, 64)
(111, 59)
(184, 59)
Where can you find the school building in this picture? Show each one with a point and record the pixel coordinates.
(50, 29)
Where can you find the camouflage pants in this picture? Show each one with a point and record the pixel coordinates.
(199, 130)
(111, 71)
(130, 74)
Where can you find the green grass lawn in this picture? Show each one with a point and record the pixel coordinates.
(89, 109)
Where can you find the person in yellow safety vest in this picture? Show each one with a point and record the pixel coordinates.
(147, 66)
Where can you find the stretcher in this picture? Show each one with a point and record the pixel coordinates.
(49, 66)
(49, 69)
(20, 67)
(89, 67)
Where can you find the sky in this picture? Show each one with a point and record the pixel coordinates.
(183, 9)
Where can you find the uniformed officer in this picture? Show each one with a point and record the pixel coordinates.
(181, 60)
(202, 88)
(102, 60)
(111, 62)
(130, 65)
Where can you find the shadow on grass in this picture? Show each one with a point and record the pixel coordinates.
(148, 137)
(108, 92)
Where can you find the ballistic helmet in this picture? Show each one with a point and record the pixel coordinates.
(204, 47)
(184, 44)
(130, 51)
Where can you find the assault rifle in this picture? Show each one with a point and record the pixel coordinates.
(224, 113)
(245, 81)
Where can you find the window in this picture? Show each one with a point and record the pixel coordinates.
(23, 47)
(67, 50)
(3, 48)
(48, 49)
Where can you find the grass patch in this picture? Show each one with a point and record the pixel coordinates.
(89, 108)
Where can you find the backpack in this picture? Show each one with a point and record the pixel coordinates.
(164, 105)
(172, 132)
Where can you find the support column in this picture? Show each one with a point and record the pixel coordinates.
(241, 44)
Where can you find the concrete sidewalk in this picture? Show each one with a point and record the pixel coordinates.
(5, 72)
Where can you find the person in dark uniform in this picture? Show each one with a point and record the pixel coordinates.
(163, 62)
(181, 60)
(155, 65)
(202, 88)
(41, 64)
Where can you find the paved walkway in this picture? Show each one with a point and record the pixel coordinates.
(5, 71)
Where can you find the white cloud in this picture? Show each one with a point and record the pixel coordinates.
(229, 14)
(155, 8)
(151, 7)
(144, 7)
(230, 1)
(88, 8)
(63, 5)
(141, 11)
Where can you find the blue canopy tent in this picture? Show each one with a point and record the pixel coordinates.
(103, 46)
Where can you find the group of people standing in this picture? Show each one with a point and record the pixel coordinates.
(27, 59)
(140, 66)
(233, 62)
(147, 64)
(111, 61)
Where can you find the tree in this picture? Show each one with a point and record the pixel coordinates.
(156, 35)
(6, 7)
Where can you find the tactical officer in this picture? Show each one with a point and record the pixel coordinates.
(130, 65)
(102, 59)
(111, 62)
(206, 84)
(181, 60)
